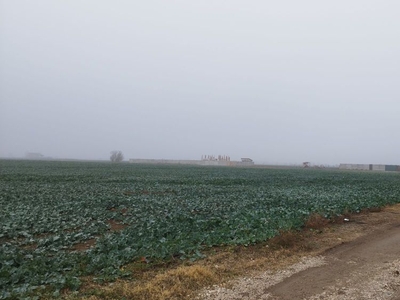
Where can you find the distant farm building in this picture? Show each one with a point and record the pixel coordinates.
(370, 167)
(247, 162)
(206, 160)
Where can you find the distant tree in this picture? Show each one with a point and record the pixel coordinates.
(116, 156)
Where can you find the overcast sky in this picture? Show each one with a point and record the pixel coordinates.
(276, 81)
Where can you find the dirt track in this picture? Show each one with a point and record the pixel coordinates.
(367, 267)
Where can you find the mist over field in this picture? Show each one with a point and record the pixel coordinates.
(277, 81)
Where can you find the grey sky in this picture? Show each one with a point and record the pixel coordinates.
(277, 81)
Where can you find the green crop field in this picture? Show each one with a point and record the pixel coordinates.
(60, 221)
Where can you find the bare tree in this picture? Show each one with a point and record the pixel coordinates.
(116, 156)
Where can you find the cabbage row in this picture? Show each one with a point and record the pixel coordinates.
(60, 221)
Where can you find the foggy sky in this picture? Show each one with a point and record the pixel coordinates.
(277, 81)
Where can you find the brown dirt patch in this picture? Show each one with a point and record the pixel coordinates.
(30, 247)
(316, 221)
(116, 226)
(84, 245)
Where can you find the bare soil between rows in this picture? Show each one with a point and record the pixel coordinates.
(359, 259)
